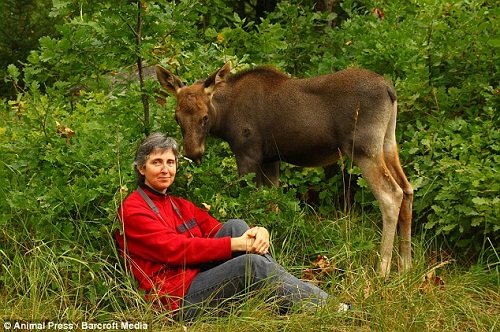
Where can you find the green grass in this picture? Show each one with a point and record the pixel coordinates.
(79, 285)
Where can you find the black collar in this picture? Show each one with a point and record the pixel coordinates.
(154, 191)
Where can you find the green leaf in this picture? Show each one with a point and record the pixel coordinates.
(494, 42)
(13, 72)
(480, 201)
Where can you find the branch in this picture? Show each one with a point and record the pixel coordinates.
(144, 96)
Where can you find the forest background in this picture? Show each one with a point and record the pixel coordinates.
(78, 93)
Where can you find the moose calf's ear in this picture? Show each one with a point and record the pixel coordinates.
(169, 81)
(223, 73)
(217, 78)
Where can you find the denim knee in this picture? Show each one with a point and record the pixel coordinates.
(233, 228)
(238, 223)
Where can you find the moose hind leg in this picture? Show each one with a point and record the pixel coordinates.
(405, 213)
(389, 196)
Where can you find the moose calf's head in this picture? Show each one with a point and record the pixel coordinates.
(194, 113)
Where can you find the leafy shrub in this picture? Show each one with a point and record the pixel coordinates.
(455, 165)
(61, 191)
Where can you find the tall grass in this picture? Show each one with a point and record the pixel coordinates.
(453, 298)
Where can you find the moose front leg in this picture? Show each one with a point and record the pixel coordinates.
(269, 174)
(247, 164)
(265, 173)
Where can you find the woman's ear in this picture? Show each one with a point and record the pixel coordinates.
(142, 169)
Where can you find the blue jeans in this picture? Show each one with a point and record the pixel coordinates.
(219, 284)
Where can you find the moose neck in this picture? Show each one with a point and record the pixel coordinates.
(218, 126)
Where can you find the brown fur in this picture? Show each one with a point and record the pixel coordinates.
(268, 117)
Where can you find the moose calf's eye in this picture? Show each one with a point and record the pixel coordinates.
(204, 121)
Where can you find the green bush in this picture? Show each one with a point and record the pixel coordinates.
(455, 165)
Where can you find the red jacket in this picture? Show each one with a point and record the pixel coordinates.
(162, 254)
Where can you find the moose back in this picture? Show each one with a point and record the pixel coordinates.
(268, 117)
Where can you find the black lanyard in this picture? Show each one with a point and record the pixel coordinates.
(157, 212)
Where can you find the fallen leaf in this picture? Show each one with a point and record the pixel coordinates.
(308, 274)
(161, 101)
(274, 208)
(220, 38)
(123, 189)
(64, 131)
(322, 268)
(323, 264)
(378, 13)
(430, 280)
(205, 207)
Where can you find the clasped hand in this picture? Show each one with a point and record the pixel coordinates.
(255, 240)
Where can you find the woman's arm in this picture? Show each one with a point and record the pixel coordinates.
(149, 238)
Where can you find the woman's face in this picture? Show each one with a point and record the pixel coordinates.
(159, 170)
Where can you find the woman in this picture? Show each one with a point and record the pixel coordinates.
(184, 257)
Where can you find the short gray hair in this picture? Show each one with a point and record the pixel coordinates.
(154, 142)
